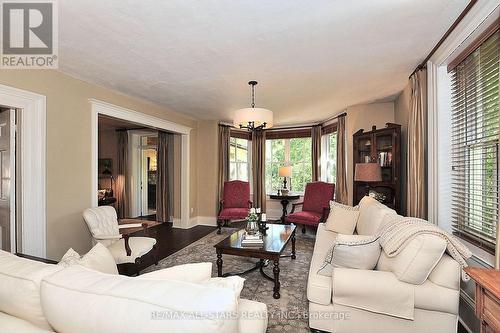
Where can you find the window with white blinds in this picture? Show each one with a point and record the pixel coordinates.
(475, 140)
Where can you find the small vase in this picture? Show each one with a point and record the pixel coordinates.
(252, 228)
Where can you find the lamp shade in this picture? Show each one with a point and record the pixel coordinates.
(368, 172)
(285, 171)
(257, 116)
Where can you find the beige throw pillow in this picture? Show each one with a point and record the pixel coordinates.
(352, 251)
(98, 258)
(342, 218)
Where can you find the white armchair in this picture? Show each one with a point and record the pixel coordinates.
(103, 225)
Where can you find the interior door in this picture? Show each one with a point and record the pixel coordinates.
(7, 180)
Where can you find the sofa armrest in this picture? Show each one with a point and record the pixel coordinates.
(195, 273)
(375, 291)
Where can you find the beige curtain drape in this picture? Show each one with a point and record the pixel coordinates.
(416, 199)
(164, 177)
(259, 169)
(341, 185)
(316, 152)
(223, 175)
(122, 175)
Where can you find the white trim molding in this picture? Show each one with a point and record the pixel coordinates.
(103, 108)
(32, 154)
(210, 221)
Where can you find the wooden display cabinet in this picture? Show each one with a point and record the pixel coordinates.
(384, 147)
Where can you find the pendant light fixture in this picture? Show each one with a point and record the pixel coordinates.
(253, 118)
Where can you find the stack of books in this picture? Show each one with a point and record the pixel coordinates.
(252, 240)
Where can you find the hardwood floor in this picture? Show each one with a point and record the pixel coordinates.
(170, 240)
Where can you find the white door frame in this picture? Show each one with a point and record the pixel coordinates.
(32, 153)
(103, 108)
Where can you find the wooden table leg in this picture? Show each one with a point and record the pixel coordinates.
(276, 271)
(284, 203)
(219, 264)
(293, 245)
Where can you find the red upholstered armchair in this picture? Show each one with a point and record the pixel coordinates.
(315, 207)
(236, 202)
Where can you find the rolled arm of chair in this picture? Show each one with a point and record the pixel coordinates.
(294, 205)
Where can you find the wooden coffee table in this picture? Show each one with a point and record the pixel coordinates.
(275, 242)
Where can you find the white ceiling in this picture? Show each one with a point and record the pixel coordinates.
(312, 58)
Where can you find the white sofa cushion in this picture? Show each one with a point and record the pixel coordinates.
(351, 251)
(416, 261)
(319, 287)
(11, 324)
(374, 291)
(371, 216)
(20, 287)
(342, 218)
(195, 272)
(98, 258)
(252, 317)
(79, 300)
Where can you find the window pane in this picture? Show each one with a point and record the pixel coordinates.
(232, 171)
(301, 163)
(243, 171)
(239, 159)
(475, 129)
(275, 158)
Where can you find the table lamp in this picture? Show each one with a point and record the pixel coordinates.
(369, 173)
(285, 171)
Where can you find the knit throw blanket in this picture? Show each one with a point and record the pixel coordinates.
(396, 234)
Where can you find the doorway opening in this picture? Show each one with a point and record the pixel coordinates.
(136, 167)
(10, 226)
(149, 165)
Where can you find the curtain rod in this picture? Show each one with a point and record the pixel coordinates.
(292, 127)
(423, 64)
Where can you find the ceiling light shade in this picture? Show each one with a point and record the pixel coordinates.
(253, 118)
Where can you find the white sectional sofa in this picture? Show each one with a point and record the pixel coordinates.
(40, 298)
(376, 301)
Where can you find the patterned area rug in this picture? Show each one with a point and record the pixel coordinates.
(287, 314)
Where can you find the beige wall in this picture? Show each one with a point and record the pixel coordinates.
(207, 169)
(69, 152)
(364, 117)
(401, 114)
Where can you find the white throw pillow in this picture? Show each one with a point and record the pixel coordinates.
(342, 218)
(371, 216)
(352, 251)
(98, 258)
(20, 288)
(416, 261)
(235, 283)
